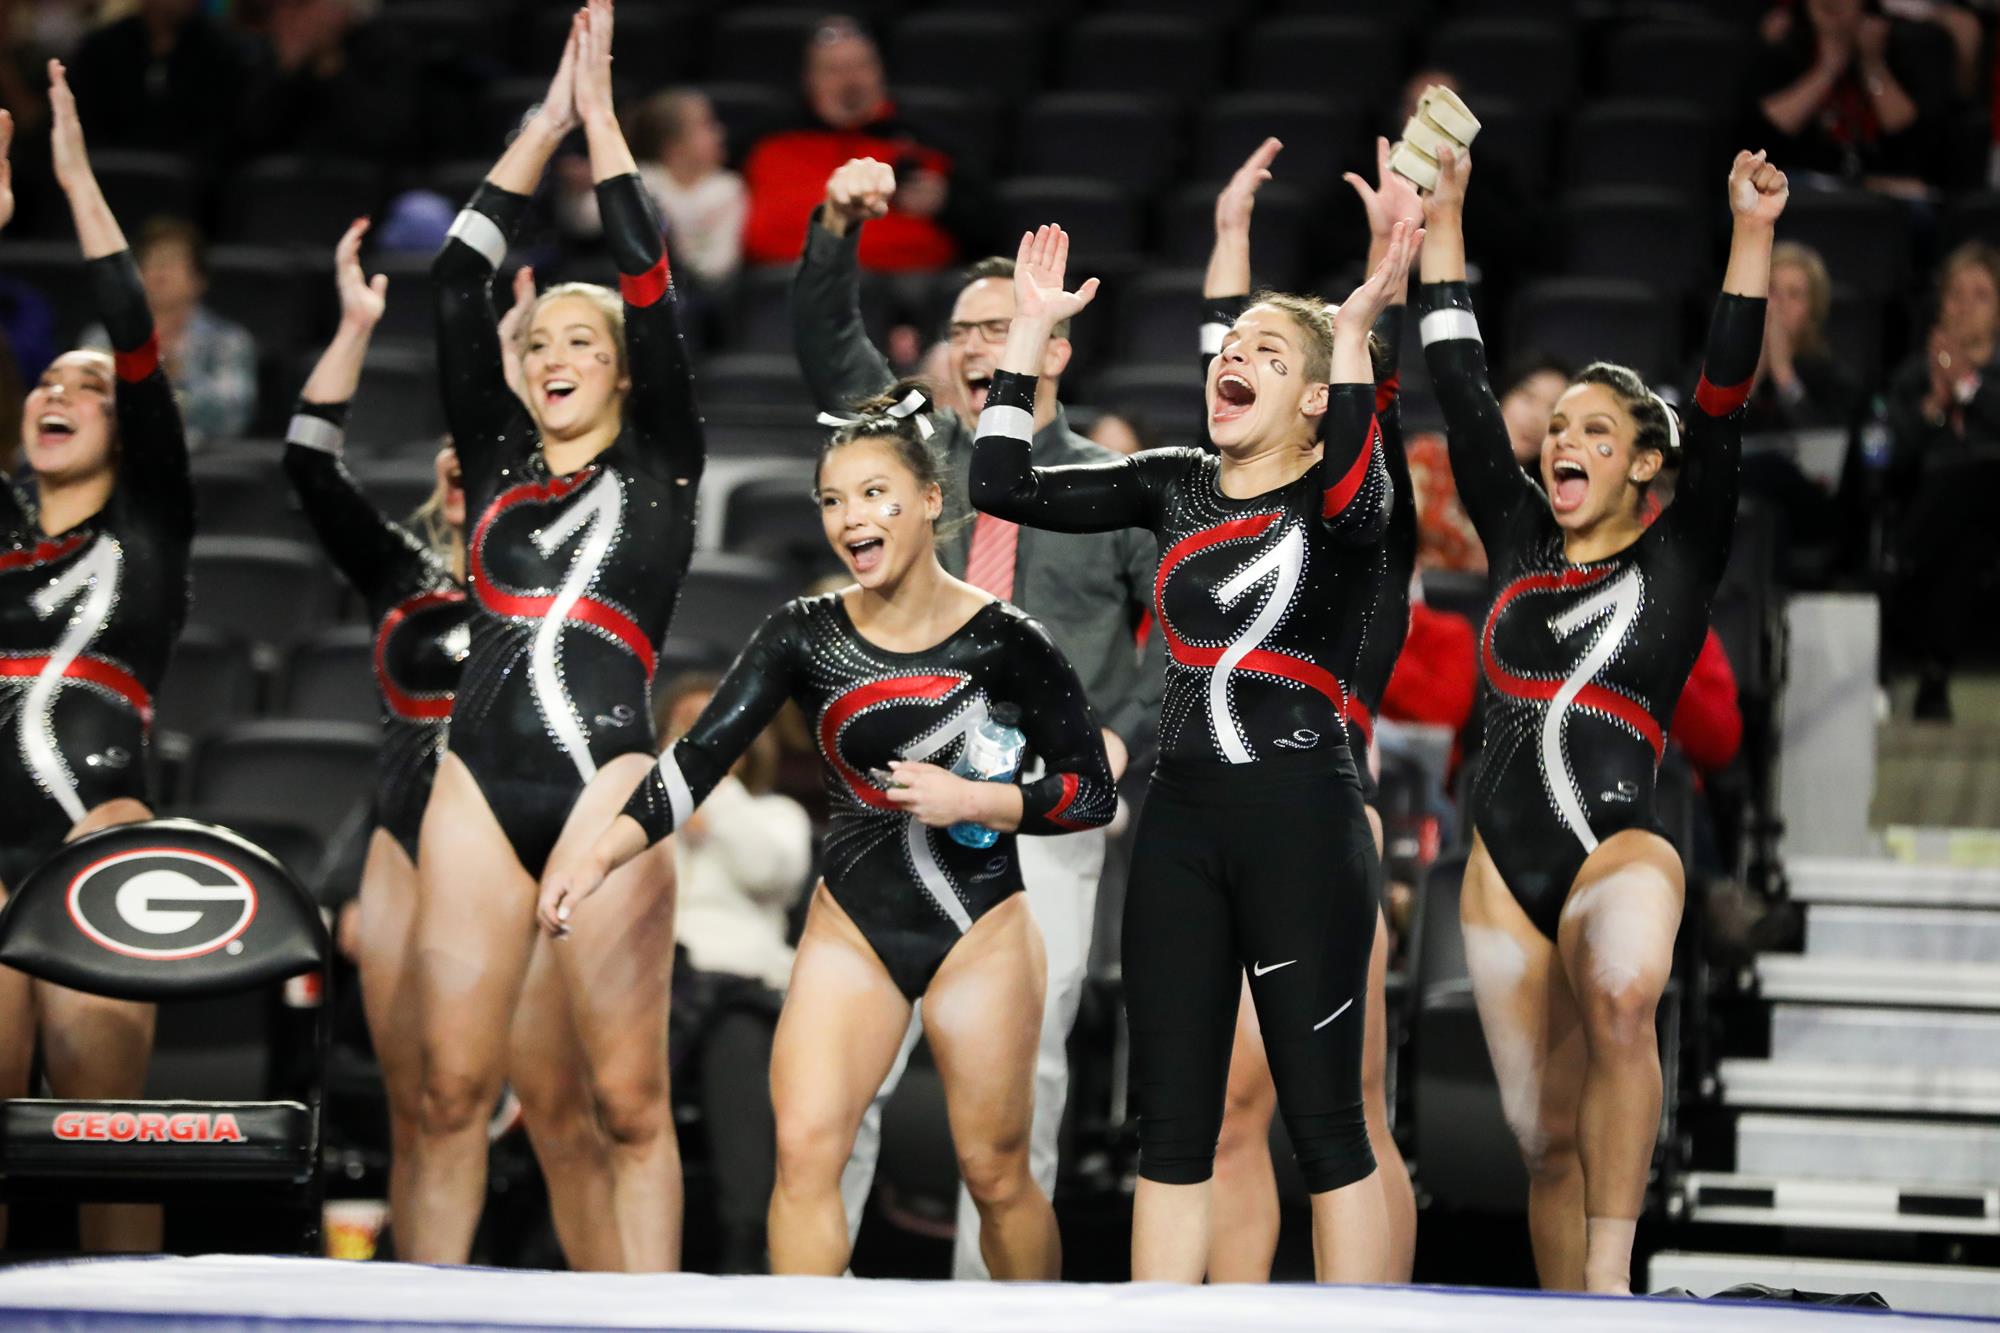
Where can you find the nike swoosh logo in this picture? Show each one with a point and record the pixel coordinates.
(1335, 1014)
(1258, 970)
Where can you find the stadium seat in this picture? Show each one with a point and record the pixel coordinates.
(1207, 11)
(398, 400)
(1854, 331)
(332, 677)
(1517, 137)
(1127, 140)
(1321, 137)
(210, 683)
(142, 185)
(774, 518)
(1676, 60)
(260, 589)
(297, 200)
(1598, 319)
(410, 319)
(55, 270)
(757, 44)
(746, 111)
(1155, 54)
(1971, 217)
(1101, 218)
(961, 122)
(1277, 240)
(398, 484)
(1357, 60)
(1159, 317)
(1166, 396)
(724, 600)
(313, 773)
(745, 429)
(263, 289)
(243, 496)
(1531, 64)
(997, 51)
(1655, 236)
(1457, 591)
(449, 29)
(761, 378)
(1863, 237)
(1663, 145)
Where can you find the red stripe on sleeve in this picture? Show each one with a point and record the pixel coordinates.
(1718, 401)
(138, 363)
(1386, 391)
(643, 289)
(1341, 492)
(1055, 816)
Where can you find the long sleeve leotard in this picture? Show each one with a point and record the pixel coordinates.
(419, 611)
(575, 577)
(88, 617)
(911, 889)
(1583, 663)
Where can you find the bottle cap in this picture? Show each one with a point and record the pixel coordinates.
(1007, 715)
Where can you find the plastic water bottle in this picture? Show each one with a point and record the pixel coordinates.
(992, 753)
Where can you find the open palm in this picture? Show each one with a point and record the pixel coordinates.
(1038, 278)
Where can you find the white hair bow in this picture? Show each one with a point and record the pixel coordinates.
(912, 404)
(1673, 423)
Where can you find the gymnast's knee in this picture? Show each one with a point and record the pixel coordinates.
(1332, 1147)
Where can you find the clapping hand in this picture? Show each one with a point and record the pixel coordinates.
(1039, 267)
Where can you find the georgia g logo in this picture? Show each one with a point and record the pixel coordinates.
(161, 903)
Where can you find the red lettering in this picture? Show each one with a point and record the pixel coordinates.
(69, 1125)
(152, 1127)
(124, 1126)
(226, 1130)
(97, 1126)
(185, 1129)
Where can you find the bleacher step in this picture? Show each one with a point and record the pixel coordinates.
(1855, 1034)
(1840, 879)
(1930, 934)
(1784, 976)
(1913, 1153)
(1879, 1089)
(1750, 1199)
(1950, 1289)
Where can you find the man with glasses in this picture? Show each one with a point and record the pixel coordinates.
(1090, 590)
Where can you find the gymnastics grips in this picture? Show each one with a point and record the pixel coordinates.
(1442, 119)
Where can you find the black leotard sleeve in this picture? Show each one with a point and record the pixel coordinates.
(1490, 483)
(756, 686)
(1076, 497)
(153, 454)
(1704, 507)
(483, 414)
(384, 561)
(1353, 479)
(661, 410)
(1075, 790)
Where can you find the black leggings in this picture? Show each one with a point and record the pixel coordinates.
(1266, 867)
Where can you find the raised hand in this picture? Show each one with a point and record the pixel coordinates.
(557, 113)
(1757, 190)
(1239, 197)
(593, 63)
(1357, 313)
(362, 299)
(857, 191)
(1454, 173)
(514, 331)
(1039, 267)
(1391, 199)
(72, 161)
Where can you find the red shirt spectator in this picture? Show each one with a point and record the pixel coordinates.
(1708, 724)
(1437, 678)
(850, 115)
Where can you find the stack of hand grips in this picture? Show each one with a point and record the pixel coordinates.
(1442, 120)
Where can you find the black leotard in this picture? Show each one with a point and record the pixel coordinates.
(1583, 663)
(575, 576)
(420, 613)
(912, 890)
(89, 617)
(1252, 594)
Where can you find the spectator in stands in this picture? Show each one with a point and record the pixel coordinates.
(1800, 384)
(680, 145)
(1445, 539)
(1528, 391)
(1122, 434)
(1944, 408)
(211, 360)
(323, 81)
(1849, 93)
(743, 858)
(938, 211)
(1436, 680)
(166, 77)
